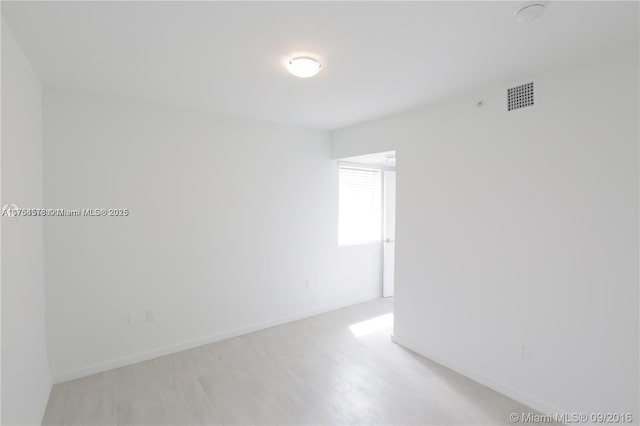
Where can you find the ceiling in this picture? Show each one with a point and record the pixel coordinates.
(378, 57)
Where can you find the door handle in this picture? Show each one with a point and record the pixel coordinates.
(388, 240)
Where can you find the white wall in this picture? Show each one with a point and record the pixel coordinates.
(229, 219)
(522, 228)
(26, 381)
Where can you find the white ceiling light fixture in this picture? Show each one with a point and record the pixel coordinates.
(303, 66)
(530, 11)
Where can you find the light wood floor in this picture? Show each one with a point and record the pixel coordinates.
(314, 371)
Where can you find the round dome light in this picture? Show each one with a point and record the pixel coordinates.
(303, 67)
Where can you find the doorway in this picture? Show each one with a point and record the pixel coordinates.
(367, 208)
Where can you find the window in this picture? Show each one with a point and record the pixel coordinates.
(359, 208)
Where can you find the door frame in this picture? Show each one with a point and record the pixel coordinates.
(383, 211)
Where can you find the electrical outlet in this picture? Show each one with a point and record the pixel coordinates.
(309, 284)
(127, 319)
(524, 351)
(151, 315)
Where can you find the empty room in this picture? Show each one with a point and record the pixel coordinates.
(320, 213)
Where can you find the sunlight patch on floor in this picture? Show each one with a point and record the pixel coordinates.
(383, 322)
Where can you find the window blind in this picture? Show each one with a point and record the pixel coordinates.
(360, 214)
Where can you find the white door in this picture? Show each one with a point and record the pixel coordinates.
(389, 234)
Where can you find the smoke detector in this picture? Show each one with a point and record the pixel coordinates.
(530, 11)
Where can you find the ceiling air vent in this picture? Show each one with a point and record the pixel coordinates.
(520, 96)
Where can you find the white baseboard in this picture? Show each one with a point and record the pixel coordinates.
(522, 397)
(65, 376)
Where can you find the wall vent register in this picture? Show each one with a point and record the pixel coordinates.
(520, 96)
